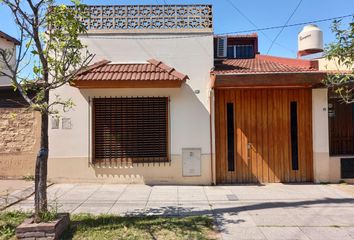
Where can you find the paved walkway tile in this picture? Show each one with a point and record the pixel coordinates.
(273, 220)
(326, 233)
(242, 233)
(136, 193)
(312, 220)
(191, 193)
(165, 209)
(12, 191)
(252, 212)
(283, 233)
(350, 231)
(194, 208)
(234, 219)
(128, 208)
(94, 208)
(163, 194)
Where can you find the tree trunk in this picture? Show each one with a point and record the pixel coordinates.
(40, 198)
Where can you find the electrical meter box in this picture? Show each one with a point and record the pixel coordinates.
(191, 165)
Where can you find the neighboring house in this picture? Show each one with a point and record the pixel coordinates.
(166, 102)
(9, 44)
(263, 114)
(19, 127)
(335, 132)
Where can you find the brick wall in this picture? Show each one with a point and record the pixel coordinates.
(19, 141)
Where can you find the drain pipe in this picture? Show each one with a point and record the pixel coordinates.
(211, 98)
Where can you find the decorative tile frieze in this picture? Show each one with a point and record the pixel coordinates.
(149, 17)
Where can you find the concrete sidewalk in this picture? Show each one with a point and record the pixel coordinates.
(274, 211)
(12, 191)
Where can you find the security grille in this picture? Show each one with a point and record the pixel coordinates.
(130, 130)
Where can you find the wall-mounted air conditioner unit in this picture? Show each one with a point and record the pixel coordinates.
(221, 51)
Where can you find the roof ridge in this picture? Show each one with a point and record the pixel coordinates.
(262, 65)
(93, 66)
(170, 70)
(292, 62)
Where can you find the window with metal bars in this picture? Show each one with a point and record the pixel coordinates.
(130, 130)
(341, 127)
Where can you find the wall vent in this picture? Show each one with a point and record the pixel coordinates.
(347, 167)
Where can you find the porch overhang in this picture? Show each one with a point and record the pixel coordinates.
(152, 74)
(268, 80)
(84, 84)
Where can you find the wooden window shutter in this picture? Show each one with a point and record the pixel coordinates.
(131, 130)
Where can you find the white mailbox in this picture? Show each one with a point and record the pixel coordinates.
(191, 158)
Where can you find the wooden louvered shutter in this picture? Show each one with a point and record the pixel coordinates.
(130, 129)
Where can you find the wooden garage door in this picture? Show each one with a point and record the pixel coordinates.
(263, 135)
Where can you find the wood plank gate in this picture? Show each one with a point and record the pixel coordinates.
(263, 135)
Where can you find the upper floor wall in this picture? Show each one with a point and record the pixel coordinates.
(236, 46)
(179, 35)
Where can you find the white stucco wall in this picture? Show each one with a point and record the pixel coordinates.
(320, 135)
(189, 112)
(326, 167)
(4, 44)
(188, 53)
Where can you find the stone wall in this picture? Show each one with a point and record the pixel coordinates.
(19, 142)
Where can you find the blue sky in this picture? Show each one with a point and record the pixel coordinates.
(263, 13)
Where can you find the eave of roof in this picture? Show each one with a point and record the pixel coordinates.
(263, 64)
(302, 79)
(251, 35)
(105, 74)
(9, 38)
(266, 71)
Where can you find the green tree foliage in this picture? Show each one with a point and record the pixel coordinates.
(51, 47)
(342, 52)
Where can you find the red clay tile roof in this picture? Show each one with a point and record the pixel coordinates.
(264, 64)
(9, 38)
(150, 71)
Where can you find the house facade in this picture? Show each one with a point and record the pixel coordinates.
(335, 143)
(166, 57)
(167, 102)
(9, 44)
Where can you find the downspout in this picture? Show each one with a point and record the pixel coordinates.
(211, 97)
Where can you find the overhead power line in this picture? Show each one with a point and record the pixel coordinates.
(225, 33)
(242, 14)
(286, 23)
(254, 25)
(289, 25)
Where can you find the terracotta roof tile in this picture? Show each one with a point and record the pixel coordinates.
(263, 64)
(152, 70)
